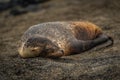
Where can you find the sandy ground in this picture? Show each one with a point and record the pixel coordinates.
(103, 64)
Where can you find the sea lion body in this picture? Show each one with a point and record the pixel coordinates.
(61, 38)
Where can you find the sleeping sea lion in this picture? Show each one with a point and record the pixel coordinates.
(56, 39)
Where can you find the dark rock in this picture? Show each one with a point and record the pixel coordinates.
(17, 11)
(25, 3)
(7, 4)
(4, 4)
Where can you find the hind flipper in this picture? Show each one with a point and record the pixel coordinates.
(78, 46)
(102, 39)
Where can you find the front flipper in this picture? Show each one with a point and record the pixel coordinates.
(78, 46)
(56, 54)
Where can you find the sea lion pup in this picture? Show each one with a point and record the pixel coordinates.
(56, 39)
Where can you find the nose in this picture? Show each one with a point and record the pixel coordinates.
(21, 53)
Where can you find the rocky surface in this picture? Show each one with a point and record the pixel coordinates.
(96, 64)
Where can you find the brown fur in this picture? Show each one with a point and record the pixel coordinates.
(85, 30)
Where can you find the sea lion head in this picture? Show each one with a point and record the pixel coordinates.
(37, 46)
